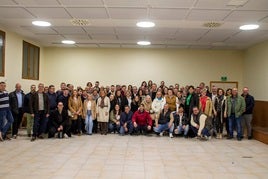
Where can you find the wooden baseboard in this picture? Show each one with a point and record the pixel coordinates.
(261, 134)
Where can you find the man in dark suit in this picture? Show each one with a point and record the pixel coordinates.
(16, 101)
(39, 109)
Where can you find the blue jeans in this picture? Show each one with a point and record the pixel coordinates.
(163, 127)
(113, 127)
(129, 127)
(40, 123)
(185, 130)
(89, 122)
(5, 115)
(235, 121)
(204, 132)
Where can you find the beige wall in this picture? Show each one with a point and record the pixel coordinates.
(13, 62)
(131, 66)
(256, 70)
(122, 66)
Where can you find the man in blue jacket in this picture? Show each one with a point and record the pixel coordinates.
(126, 125)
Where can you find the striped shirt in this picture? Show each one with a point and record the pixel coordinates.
(4, 100)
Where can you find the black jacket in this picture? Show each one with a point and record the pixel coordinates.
(26, 103)
(13, 101)
(34, 103)
(194, 101)
(184, 120)
(163, 119)
(249, 103)
(58, 119)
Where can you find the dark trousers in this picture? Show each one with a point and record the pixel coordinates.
(83, 126)
(40, 123)
(17, 121)
(76, 125)
(103, 127)
(95, 126)
(204, 132)
(54, 129)
(219, 122)
(141, 129)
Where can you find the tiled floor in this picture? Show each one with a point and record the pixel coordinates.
(138, 157)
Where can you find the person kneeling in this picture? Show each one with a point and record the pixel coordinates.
(59, 120)
(165, 122)
(201, 124)
(126, 125)
(181, 122)
(142, 121)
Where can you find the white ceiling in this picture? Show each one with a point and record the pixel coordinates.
(179, 23)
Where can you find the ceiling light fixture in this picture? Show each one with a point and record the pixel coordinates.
(145, 24)
(144, 43)
(41, 23)
(249, 27)
(69, 42)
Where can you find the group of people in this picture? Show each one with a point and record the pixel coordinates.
(174, 110)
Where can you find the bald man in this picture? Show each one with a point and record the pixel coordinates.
(16, 101)
(247, 115)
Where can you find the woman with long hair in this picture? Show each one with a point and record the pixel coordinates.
(76, 108)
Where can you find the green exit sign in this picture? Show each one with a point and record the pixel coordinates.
(224, 78)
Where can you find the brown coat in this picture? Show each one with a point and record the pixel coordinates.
(208, 108)
(171, 102)
(74, 107)
(93, 109)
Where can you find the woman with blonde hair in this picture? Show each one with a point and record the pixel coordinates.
(76, 108)
(147, 102)
(205, 103)
(89, 113)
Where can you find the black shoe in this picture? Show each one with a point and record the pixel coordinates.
(40, 137)
(239, 138)
(29, 135)
(185, 136)
(6, 138)
(229, 137)
(33, 139)
(249, 137)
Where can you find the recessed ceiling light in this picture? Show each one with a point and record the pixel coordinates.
(249, 27)
(41, 23)
(144, 43)
(69, 42)
(145, 24)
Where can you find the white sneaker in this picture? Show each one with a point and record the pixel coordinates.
(161, 134)
(66, 136)
(170, 135)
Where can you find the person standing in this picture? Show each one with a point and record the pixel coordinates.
(26, 109)
(16, 101)
(191, 100)
(75, 107)
(247, 115)
(236, 107)
(103, 108)
(39, 109)
(220, 111)
(6, 118)
(89, 113)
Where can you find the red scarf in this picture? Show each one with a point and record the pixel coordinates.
(203, 102)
